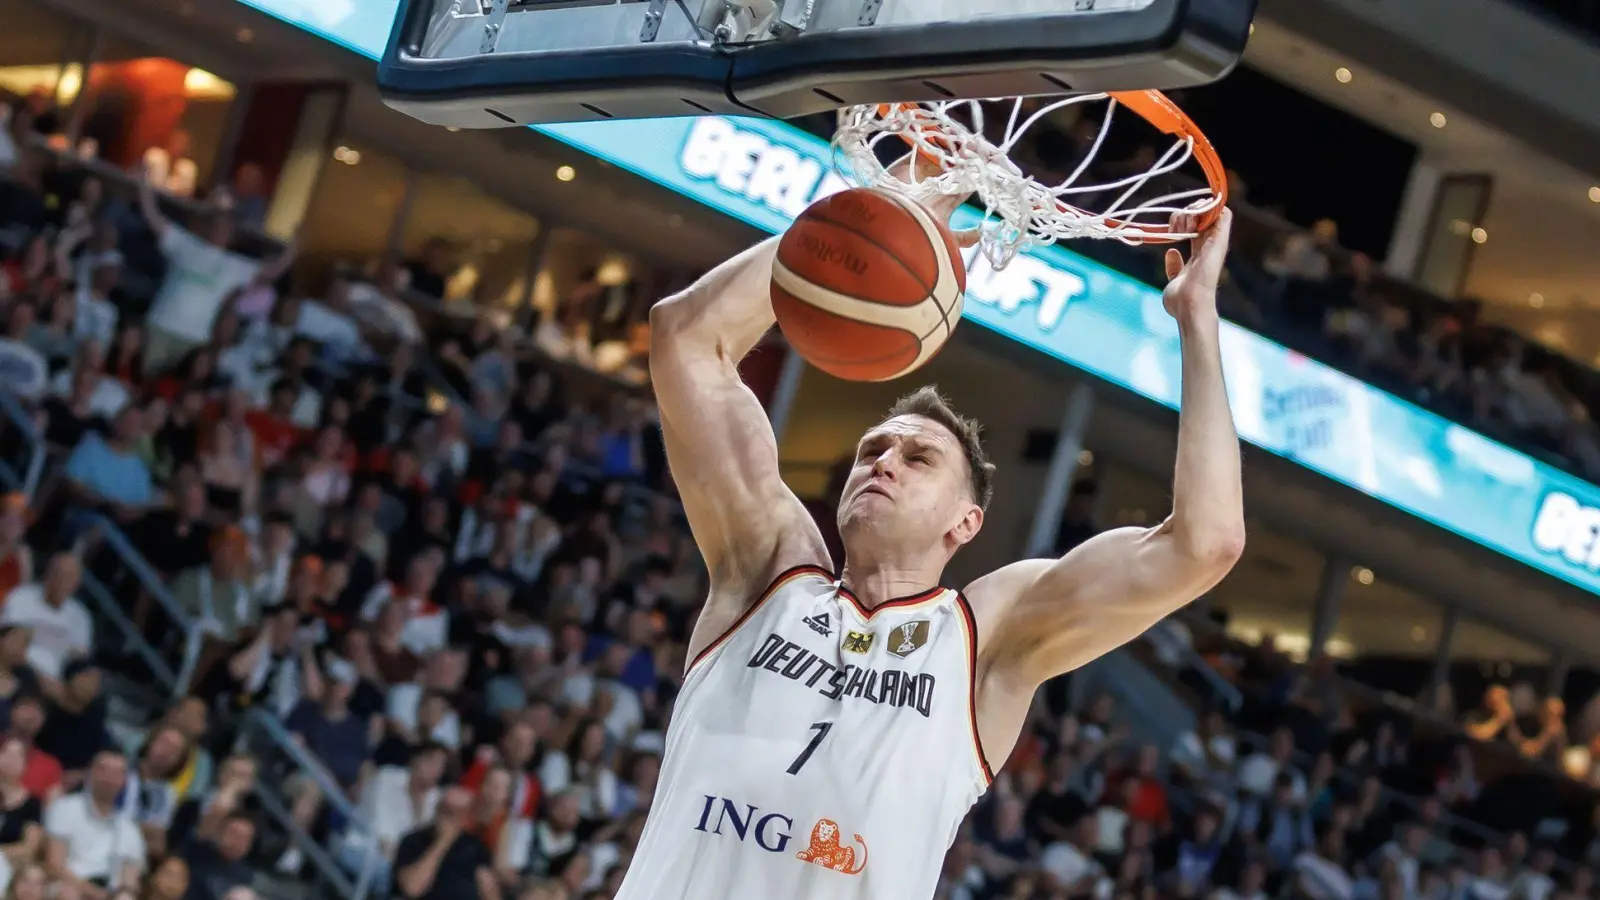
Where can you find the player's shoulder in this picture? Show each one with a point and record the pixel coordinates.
(998, 589)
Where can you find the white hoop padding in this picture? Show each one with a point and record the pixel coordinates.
(1019, 210)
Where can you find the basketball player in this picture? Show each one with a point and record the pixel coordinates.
(836, 724)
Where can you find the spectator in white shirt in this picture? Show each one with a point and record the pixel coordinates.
(61, 626)
(1072, 864)
(93, 846)
(1259, 771)
(394, 802)
(201, 274)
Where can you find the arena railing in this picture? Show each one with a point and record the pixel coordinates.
(1459, 830)
(104, 532)
(26, 481)
(99, 595)
(1507, 762)
(261, 731)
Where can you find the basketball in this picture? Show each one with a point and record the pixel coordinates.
(868, 285)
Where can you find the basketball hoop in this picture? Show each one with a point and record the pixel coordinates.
(1019, 210)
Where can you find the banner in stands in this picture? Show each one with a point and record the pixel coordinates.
(1061, 304)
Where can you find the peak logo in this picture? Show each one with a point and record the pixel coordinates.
(774, 832)
(1566, 528)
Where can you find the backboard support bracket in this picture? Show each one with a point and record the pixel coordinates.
(493, 23)
(652, 21)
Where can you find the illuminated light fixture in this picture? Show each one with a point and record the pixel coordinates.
(1479, 236)
(1343, 75)
(1594, 194)
(451, 128)
(1536, 300)
(566, 173)
(1438, 120)
(347, 155)
(198, 84)
(1085, 458)
(1362, 574)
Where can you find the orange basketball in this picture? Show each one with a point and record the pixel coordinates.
(868, 285)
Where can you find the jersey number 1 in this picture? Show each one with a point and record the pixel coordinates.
(821, 729)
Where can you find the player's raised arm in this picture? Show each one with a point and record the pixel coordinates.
(1047, 617)
(724, 459)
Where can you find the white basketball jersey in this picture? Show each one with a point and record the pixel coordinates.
(818, 751)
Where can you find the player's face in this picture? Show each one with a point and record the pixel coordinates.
(910, 484)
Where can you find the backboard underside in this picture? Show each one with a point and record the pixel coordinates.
(494, 63)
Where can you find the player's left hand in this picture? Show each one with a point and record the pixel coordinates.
(1192, 284)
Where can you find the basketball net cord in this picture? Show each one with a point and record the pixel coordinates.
(1020, 211)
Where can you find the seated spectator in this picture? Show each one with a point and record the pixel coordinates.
(21, 836)
(323, 724)
(60, 627)
(1071, 863)
(17, 678)
(1495, 719)
(445, 860)
(106, 473)
(16, 557)
(218, 865)
(190, 718)
(169, 881)
(177, 539)
(75, 726)
(93, 846)
(1258, 774)
(394, 802)
(202, 816)
(427, 623)
(42, 774)
(150, 799)
(218, 596)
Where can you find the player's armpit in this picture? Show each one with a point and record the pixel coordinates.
(1046, 617)
(720, 446)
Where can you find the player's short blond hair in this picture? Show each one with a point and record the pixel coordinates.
(928, 403)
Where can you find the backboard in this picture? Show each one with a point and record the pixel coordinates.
(494, 63)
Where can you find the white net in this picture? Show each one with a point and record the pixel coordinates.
(1020, 210)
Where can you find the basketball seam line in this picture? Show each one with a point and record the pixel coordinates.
(918, 211)
(870, 359)
(927, 289)
(921, 339)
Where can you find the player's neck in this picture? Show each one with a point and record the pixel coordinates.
(876, 584)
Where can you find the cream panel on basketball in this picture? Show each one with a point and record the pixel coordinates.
(932, 320)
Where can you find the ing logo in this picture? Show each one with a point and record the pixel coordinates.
(773, 832)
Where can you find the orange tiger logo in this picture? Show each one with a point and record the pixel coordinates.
(826, 851)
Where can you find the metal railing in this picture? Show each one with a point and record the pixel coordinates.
(264, 726)
(27, 481)
(106, 533)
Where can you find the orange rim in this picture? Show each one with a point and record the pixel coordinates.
(1154, 107)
